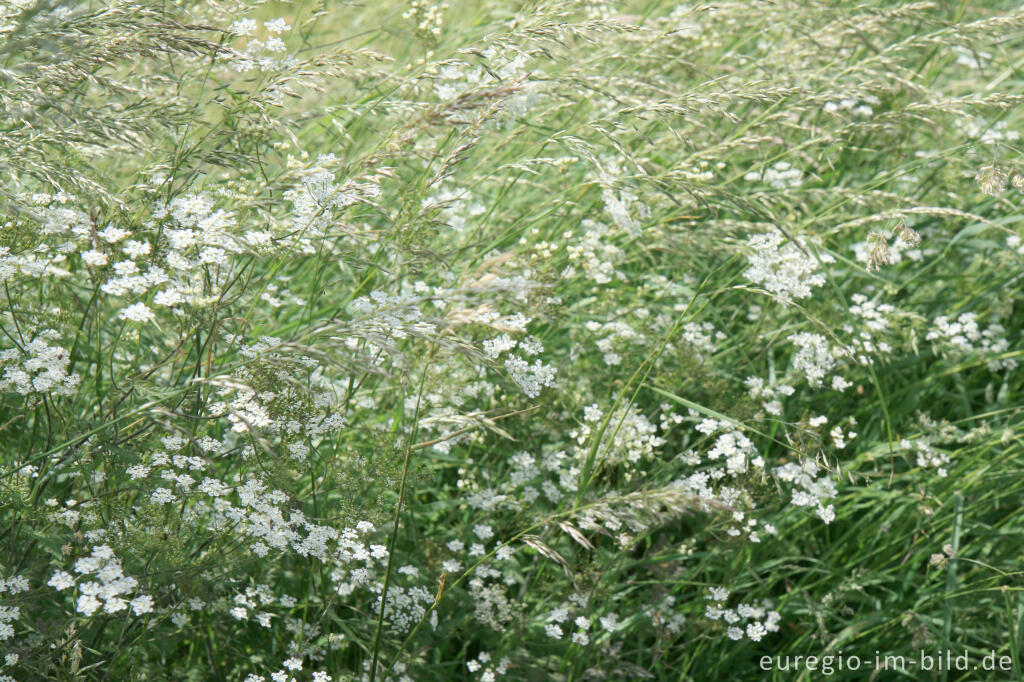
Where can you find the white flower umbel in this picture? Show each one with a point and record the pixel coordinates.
(964, 336)
(102, 584)
(745, 619)
(137, 312)
(814, 357)
(786, 270)
(41, 368)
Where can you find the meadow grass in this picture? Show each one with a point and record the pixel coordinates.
(525, 340)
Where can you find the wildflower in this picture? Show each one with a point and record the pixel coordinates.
(137, 312)
(494, 347)
(814, 358)
(113, 234)
(785, 269)
(276, 25)
(530, 378)
(756, 631)
(719, 594)
(135, 249)
(483, 532)
(94, 258)
(61, 580)
(610, 622)
(243, 27)
(162, 496)
(88, 604)
(142, 605)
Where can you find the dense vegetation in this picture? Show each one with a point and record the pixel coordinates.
(524, 340)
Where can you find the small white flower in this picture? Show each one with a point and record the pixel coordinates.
(243, 27)
(610, 622)
(94, 258)
(88, 604)
(134, 249)
(137, 312)
(483, 532)
(168, 297)
(162, 496)
(142, 604)
(61, 580)
(276, 26)
(112, 234)
(785, 269)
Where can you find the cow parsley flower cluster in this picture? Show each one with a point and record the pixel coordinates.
(964, 336)
(110, 593)
(743, 620)
(785, 269)
(815, 357)
(811, 488)
(16, 584)
(595, 252)
(39, 368)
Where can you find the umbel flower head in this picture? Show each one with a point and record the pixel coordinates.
(785, 268)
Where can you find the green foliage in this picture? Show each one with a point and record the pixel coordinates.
(543, 340)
